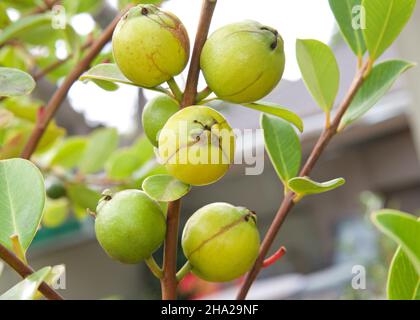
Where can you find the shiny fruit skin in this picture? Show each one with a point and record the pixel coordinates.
(221, 242)
(243, 62)
(197, 145)
(155, 114)
(150, 46)
(129, 226)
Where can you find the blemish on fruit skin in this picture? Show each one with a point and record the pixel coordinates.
(223, 230)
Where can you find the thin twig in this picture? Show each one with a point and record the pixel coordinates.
(288, 201)
(61, 93)
(23, 270)
(48, 5)
(169, 281)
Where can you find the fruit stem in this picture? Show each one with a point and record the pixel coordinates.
(154, 267)
(176, 91)
(186, 269)
(203, 94)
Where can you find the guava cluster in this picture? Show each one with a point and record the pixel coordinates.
(241, 63)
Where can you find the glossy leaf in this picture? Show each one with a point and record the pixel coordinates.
(305, 186)
(105, 73)
(344, 12)
(319, 70)
(14, 82)
(385, 19)
(403, 280)
(27, 288)
(275, 110)
(380, 80)
(69, 153)
(22, 197)
(283, 146)
(101, 144)
(165, 188)
(108, 75)
(404, 229)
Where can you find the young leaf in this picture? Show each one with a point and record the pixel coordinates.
(380, 80)
(165, 188)
(319, 70)
(385, 19)
(344, 14)
(27, 288)
(275, 110)
(99, 148)
(403, 280)
(22, 197)
(283, 147)
(123, 163)
(305, 186)
(14, 82)
(69, 153)
(107, 75)
(404, 229)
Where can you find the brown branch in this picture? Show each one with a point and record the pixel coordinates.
(61, 93)
(23, 270)
(43, 72)
(48, 5)
(169, 282)
(288, 201)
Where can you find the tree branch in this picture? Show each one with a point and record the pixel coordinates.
(23, 270)
(61, 93)
(169, 281)
(288, 201)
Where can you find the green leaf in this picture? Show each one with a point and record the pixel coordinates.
(83, 197)
(379, 81)
(22, 197)
(319, 70)
(14, 82)
(69, 153)
(27, 288)
(273, 109)
(107, 75)
(404, 229)
(305, 186)
(165, 188)
(385, 19)
(343, 12)
(124, 162)
(101, 144)
(283, 146)
(24, 25)
(104, 74)
(403, 280)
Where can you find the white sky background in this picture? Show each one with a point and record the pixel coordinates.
(292, 18)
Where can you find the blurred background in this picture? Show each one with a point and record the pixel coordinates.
(326, 236)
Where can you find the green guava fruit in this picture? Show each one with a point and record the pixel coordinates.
(221, 242)
(155, 114)
(197, 145)
(243, 62)
(129, 226)
(150, 46)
